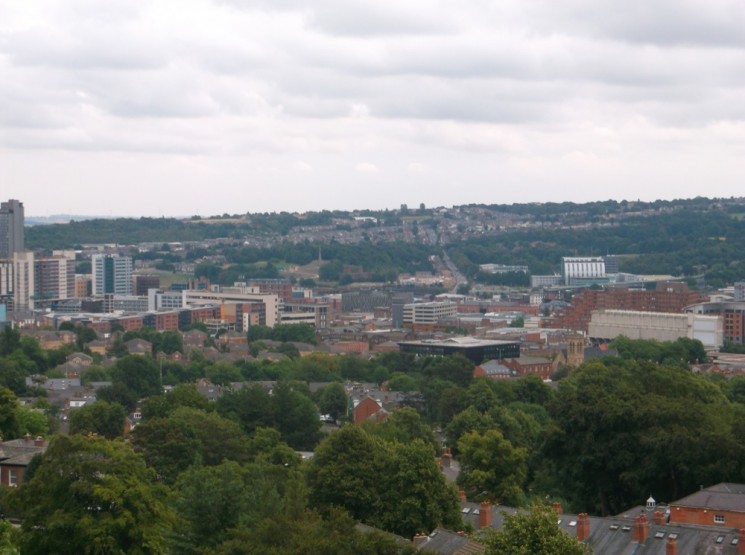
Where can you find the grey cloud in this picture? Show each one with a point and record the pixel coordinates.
(665, 22)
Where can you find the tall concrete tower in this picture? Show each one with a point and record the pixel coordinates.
(11, 228)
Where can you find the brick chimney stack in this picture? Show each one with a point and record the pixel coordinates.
(583, 527)
(658, 518)
(39, 441)
(462, 496)
(556, 506)
(641, 529)
(484, 515)
(671, 548)
(741, 543)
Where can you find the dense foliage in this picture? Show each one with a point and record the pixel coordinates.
(212, 475)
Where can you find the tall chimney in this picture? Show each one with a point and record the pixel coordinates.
(671, 548)
(556, 506)
(658, 518)
(462, 496)
(484, 515)
(583, 527)
(641, 528)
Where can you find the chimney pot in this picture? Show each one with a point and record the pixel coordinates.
(556, 506)
(671, 548)
(462, 495)
(484, 515)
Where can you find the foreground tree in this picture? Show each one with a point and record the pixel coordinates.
(94, 496)
(397, 487)
(491, 466)
(532, 533)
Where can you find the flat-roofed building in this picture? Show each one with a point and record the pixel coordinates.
(428, 313)
(477, 350)
(582, 268)
(11, 228)
(238, 294)
(732, 314)
(112, 274)
(659, 326)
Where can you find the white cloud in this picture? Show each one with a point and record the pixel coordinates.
(516, 100)
(366, 167)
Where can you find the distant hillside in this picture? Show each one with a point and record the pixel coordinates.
(57, 219)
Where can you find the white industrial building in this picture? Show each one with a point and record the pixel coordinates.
(660, 326)
(582, 268)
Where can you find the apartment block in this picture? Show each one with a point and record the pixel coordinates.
(11, 228)
(112, 273)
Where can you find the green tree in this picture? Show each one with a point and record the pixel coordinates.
(183, 395)
(9, 539)
(139, 374)
(532, 533)
(405, 425)
(395, 486)
(518, 322)
(211, 501)
(296, 416)
(10, 340)
(92, 495)
(102, 418)
(31, 421)
(9, 425)
(186, 437)
(333, 400)
(491, 468)
(621, 424)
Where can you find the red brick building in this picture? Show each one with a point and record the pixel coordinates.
(15, 456)
(667, 297)
(719, 505)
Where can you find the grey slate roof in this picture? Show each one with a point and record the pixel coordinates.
(725, 496)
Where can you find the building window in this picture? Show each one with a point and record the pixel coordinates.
(718, 519)
(12, 477)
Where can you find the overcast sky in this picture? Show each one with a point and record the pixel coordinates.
(183, 107)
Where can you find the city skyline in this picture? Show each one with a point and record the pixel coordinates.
(122, 109)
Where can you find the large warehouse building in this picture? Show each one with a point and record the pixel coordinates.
(660, 326)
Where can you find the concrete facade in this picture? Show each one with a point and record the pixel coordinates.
(659, 326)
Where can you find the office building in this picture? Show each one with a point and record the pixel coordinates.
(732, 314)
(54, 278)
(23, 281)
(273, 305)
(112, 273)
(477, 350)
(11, 228)
(142, 283)
(6, 283)
(428, 313)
